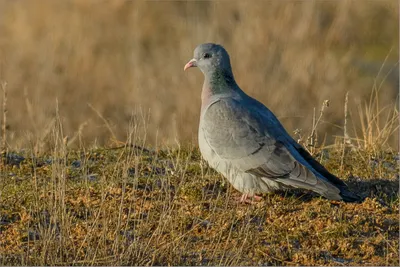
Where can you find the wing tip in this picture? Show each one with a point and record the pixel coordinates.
(348, 196)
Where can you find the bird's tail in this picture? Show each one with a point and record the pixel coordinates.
(349, 196)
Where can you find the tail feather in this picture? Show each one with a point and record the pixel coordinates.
(348, 196)
(345, 193)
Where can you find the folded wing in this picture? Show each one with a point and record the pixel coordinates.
(254, 141)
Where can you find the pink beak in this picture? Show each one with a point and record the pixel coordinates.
(191, 63)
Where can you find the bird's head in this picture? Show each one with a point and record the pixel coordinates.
(210, 57)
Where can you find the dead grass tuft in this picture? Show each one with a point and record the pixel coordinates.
(81, 76)
(126, 57)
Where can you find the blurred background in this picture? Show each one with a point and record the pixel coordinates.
(108, 66)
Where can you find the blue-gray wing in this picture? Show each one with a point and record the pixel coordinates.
(251, 138)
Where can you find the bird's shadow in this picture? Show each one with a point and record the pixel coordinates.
(381, 188)
(386, 190)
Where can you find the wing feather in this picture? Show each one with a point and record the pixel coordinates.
(256, 142)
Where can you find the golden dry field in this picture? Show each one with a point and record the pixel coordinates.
(109, 64)
(99, 162)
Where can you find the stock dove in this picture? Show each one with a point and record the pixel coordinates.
(244, 141)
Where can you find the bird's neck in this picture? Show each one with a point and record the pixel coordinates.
(215, 83)
(219, 81)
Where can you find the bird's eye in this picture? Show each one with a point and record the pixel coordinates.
(206, 55)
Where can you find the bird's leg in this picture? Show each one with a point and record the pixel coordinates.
(254, 198)
(257, 198)
(243, 198)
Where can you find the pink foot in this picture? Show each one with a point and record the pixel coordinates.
(245, 199)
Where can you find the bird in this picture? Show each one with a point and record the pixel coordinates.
(244, 141)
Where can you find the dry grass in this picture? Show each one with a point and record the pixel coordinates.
(118, 58)
(134, 206)
(129, 205)
(86, 74)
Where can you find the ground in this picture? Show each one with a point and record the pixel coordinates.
(136, 206)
